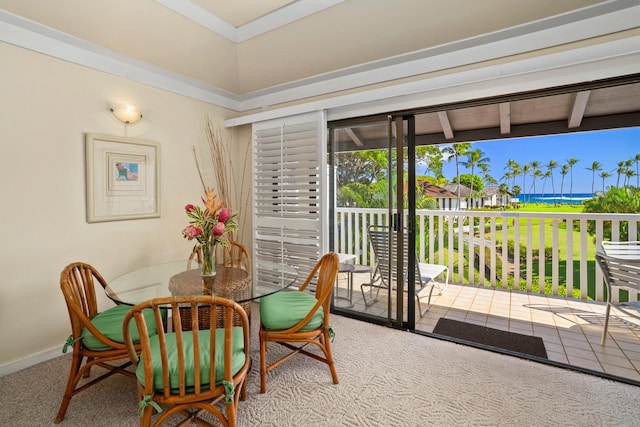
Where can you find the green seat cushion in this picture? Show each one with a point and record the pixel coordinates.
(283, 310)
(109, 322)
(238, 358)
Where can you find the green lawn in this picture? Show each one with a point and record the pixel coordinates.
(548, 242)
(562, 248)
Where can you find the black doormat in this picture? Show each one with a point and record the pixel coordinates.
(520, 343)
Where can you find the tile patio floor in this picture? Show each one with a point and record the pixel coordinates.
(571, 329)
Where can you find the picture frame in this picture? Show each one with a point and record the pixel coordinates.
(122, 178)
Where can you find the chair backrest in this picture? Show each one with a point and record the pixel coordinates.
(185, 349)
(624, 272)
(78, 284)
(233, 255)
(385, 256)
(622, 249)
(324, 276)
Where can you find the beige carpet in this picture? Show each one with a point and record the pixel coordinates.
(387, 378)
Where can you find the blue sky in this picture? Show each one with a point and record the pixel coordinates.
(606, 147)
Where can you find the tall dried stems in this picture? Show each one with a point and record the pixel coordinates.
(222, 165)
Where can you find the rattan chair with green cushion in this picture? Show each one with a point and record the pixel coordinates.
(96, 336)
(189, 372)
(298, 318)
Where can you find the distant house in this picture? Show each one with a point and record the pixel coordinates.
(446, 199)
(465, 194)
(491, 197)
(447, 196)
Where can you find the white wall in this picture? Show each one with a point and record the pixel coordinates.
(46, 107)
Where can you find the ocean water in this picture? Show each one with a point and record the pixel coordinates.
(574, 199)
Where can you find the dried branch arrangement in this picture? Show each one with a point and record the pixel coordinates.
(220, 163)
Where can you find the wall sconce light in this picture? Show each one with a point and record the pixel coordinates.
(127, 114)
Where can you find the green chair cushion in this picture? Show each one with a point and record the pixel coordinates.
(283, 310)
(238, 358)
(109, 322)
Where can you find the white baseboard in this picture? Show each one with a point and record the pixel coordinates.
(34, 359)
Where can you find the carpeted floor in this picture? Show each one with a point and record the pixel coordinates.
(387, 378)
(526, 344)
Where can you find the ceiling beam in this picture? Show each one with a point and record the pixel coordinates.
(445, 124)
(613, 121)
(505, 118)
(579, 106)
(355, 138)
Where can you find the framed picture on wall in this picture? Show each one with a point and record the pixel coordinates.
(123, 178)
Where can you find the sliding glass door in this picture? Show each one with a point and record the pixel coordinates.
(371, 180)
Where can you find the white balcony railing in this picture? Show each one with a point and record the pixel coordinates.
(471, 244)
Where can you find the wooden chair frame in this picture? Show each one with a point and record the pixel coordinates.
(78, 283)
(190, 403)
(233, 255)
(296, 340)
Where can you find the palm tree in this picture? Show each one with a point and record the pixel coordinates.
(485, 168)
(513, 168)
(571, 162)
(550, 167)
(474, 158)
(503, 190)
(595, 167)
(604, 175)
(506, 177)
(516, 191)
(536, 173)
(526, 168)
(620, 170)
(629, 173)
(545, 176)
(564, 170)
(455, 151)
(636, 160)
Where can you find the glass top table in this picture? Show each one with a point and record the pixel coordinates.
(173, 278)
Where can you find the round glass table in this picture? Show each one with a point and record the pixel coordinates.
(173, 278)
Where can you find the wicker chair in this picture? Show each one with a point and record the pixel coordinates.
(212, 363)
(296, 319)
(234, 255)
(96, 336)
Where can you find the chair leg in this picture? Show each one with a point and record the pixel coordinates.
(329, 356)
(76, 362)
(263, 364)
(606, 324)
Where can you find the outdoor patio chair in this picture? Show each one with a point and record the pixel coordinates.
(425, 274)
(622, 249)
(193, 372)
(619, 271)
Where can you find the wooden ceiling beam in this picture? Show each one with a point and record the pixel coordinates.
(445, 124)
(355, 138)
(579, 107)
(505, 118)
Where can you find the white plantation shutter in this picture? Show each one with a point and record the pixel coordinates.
(289, 197)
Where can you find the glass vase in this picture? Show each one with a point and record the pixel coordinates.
(208, 260)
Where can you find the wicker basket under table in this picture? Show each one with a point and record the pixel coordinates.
(229, 282)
